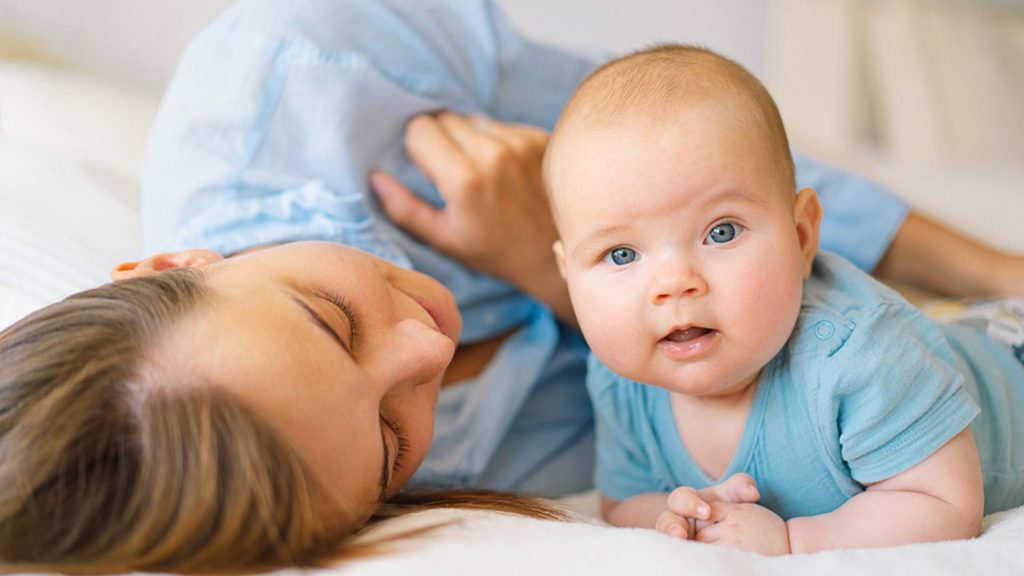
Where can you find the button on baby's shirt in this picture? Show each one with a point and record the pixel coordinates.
(824, 329)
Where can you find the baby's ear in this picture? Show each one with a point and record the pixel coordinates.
(165, 261)
(559, 251)
(807, 215)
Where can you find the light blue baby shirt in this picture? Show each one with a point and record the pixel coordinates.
(866, 388)
(271, 125)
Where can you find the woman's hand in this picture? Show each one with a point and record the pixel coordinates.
(496, 217)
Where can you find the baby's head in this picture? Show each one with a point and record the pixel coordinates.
(682, 237)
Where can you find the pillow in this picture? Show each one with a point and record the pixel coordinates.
(63, 227)
(91, 119)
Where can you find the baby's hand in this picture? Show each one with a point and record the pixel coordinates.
(747, 527)
(688, 509)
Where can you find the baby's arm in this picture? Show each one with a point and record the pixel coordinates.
(942, 498)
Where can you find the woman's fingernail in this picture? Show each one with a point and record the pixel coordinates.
(703, 511)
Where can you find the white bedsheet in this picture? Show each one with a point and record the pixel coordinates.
(496, 544)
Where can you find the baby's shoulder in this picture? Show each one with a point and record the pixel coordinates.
(842, 305)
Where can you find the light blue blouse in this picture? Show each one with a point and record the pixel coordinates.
(276, 115)
(865, 388)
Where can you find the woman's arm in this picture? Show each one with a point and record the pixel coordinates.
(928, 256)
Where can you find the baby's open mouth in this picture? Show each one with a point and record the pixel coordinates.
(687, 334)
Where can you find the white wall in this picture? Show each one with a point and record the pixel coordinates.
(733, 27)
(141, 39)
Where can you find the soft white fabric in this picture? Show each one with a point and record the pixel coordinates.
(93, 120)
(497, 544)
(70, 155)
(62, 228)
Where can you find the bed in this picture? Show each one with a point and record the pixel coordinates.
(70, 147)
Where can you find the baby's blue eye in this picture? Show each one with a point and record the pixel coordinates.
(723, 233)
(622, 256)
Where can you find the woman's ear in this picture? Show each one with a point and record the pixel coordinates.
(807, 215)
(165, 261)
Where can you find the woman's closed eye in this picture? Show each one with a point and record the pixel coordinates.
(402, 449)
(338, 305)
(347, 311)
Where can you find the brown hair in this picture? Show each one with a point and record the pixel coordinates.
(666, 78)
(102, 471)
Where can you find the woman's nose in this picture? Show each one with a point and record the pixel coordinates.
(677, 279)
(418, 353)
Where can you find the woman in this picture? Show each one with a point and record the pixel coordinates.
(251, 411)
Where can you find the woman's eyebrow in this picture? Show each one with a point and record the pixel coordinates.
(319, 321)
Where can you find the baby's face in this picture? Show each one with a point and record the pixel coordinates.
(681, 252)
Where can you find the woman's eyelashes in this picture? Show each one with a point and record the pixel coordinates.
(401, 439)
(346, 309)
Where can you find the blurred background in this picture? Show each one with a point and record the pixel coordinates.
(925, 95)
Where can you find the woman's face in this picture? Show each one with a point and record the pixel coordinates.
(341, 351)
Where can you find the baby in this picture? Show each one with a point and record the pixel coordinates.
(724, 342)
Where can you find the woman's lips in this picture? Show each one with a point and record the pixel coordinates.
(447, 324)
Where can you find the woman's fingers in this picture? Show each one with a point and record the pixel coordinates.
(488, 142)
(408, 210)
(496, 218)
(441, 158)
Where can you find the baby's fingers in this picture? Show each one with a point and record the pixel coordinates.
(673, 525)
(687, 502)
(737, 488)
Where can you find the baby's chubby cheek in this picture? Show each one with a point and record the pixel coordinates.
(613, 335)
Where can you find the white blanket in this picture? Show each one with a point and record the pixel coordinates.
(496, 544)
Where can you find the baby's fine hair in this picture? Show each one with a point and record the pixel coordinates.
(666, 79)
